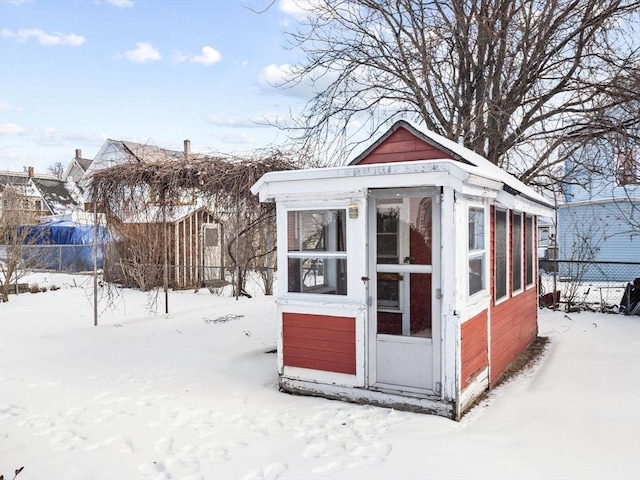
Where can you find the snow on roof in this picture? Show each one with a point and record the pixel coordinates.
(476, 164)
(55, 193)
(465, 161)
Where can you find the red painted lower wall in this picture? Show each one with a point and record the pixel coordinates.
(319, 342)
(513, 327)
(474, 348)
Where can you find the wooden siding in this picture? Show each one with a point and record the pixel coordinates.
(319, 342)
(514, 321)
(607, 226)
(513, 327)
(474, 348)
(403, 146)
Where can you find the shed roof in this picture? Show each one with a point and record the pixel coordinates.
(460, 153)
(466, 167)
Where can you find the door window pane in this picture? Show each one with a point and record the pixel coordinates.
(404, 237)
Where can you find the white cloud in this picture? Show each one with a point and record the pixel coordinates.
(51, 136)
(11, 129)
(54, 137)
(295, 8)
(209, 56)
(121, 3)
(242, 122)
(280, 79)
(274, 75)
(44, 38)
(144, 52)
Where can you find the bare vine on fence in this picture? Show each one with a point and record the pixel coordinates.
(142, 197)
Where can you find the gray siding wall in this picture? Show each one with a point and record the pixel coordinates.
(600, 232)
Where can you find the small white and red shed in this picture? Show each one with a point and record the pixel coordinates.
(407, 278)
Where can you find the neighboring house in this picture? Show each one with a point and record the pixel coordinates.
(32, 196)
(74, 173)
(77, 168)
(600, 219)
(408, 278)
(194, 234)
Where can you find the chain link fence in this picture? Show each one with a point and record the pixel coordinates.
(581, 285)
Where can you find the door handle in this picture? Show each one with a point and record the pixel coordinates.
(409, 259)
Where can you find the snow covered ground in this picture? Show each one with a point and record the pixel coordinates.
(192, 395)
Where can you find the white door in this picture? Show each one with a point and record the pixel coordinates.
(404, 313)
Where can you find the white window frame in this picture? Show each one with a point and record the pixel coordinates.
(477, 253)
(303, 254)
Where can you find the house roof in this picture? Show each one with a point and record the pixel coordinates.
(52, 190)
(84, 163)
(145, 153)
(55, 194)
(13, 178)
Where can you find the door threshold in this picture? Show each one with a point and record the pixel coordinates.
(408, 391)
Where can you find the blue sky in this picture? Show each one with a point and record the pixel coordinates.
(75, 72)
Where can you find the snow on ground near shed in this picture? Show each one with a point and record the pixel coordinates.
(193, 395)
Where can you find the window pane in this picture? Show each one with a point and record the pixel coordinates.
(318, 275)
(476, 274)
(210, 237)
(501, 254)
(476, 250)
(476, 229)
(529, 248)
(517, 252)
(316, 230)
(404, 230)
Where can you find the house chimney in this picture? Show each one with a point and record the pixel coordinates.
(78, 153)
(30, 172)
(187, 149)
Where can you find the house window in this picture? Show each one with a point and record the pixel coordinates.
(501, 254)
(628, 169)
(210, 236)
(529, 248)
(38, 205)
(316, 251)
(516, 252)
(476, 254)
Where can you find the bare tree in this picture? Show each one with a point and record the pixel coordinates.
(17, 259)
(56, 169)
(513, 80)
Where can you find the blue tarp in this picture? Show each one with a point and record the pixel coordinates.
(63, 245)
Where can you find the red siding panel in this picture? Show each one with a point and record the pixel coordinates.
(403, 146)
(514, 322)
(474, 348)
(319, 342)
(513, 327)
